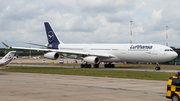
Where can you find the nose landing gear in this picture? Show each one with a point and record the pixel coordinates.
(157, 67)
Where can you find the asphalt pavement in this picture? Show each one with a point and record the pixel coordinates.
(16, 86)
(131, 69)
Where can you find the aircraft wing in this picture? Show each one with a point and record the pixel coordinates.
(66, 52)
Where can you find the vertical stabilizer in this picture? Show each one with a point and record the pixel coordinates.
(51, 36)
(7, 58)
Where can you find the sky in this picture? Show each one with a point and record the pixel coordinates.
(90, 21)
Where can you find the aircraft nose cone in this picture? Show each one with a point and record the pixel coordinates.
(174, 55)
(170, 56)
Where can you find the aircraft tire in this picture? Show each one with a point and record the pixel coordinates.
(89, 66)
(85, 66)
(82, 65)
(109, 65)
(105, 65)
(113, 66)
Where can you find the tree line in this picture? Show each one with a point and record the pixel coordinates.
(20, 52)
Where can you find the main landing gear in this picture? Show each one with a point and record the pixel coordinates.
(89, 65)
(157, 67)
(109, 65)
(97, 65)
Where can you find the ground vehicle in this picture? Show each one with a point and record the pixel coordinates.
(173, 88)
(61, 61)
(43, 61)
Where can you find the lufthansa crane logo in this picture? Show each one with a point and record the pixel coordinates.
(50, 36)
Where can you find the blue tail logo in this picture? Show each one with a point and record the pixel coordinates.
(51, 36)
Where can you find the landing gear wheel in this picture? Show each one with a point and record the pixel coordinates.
(175, 98)
(109, 65)
(89, 66)
(85, 65)
(105, 66)
(112, 65)
(82, 65)
(158, 68)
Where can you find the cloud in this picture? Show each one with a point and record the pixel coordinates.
(119, 16)
(156, 15)
(90, 21)
(104, 6)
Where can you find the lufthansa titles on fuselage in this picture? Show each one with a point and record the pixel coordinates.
(140, 47)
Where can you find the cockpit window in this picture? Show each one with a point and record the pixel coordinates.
(168, 50)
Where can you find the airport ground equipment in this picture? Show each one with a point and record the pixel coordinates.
(173, 87)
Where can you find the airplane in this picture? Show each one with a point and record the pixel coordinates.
(7, 58)
(108, 53)
(36, 57)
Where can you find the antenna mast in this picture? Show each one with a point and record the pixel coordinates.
(131, 31)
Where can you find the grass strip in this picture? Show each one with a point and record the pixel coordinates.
(93, 72)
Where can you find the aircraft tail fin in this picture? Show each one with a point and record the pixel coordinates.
(8, 57)
(52, 37)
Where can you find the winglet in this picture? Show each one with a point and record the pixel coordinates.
(5, 44)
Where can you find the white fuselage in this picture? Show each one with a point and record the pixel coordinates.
(124, 52)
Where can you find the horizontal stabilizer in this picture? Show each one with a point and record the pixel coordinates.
(5, 44)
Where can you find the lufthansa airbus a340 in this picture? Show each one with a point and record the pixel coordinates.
(108, 53)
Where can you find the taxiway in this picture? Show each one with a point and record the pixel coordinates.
(131, 69)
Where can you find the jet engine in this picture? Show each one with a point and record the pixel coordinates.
(51, 55)
(92, 59)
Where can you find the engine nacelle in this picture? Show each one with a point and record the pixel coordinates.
(51, 55)
(92, 59)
